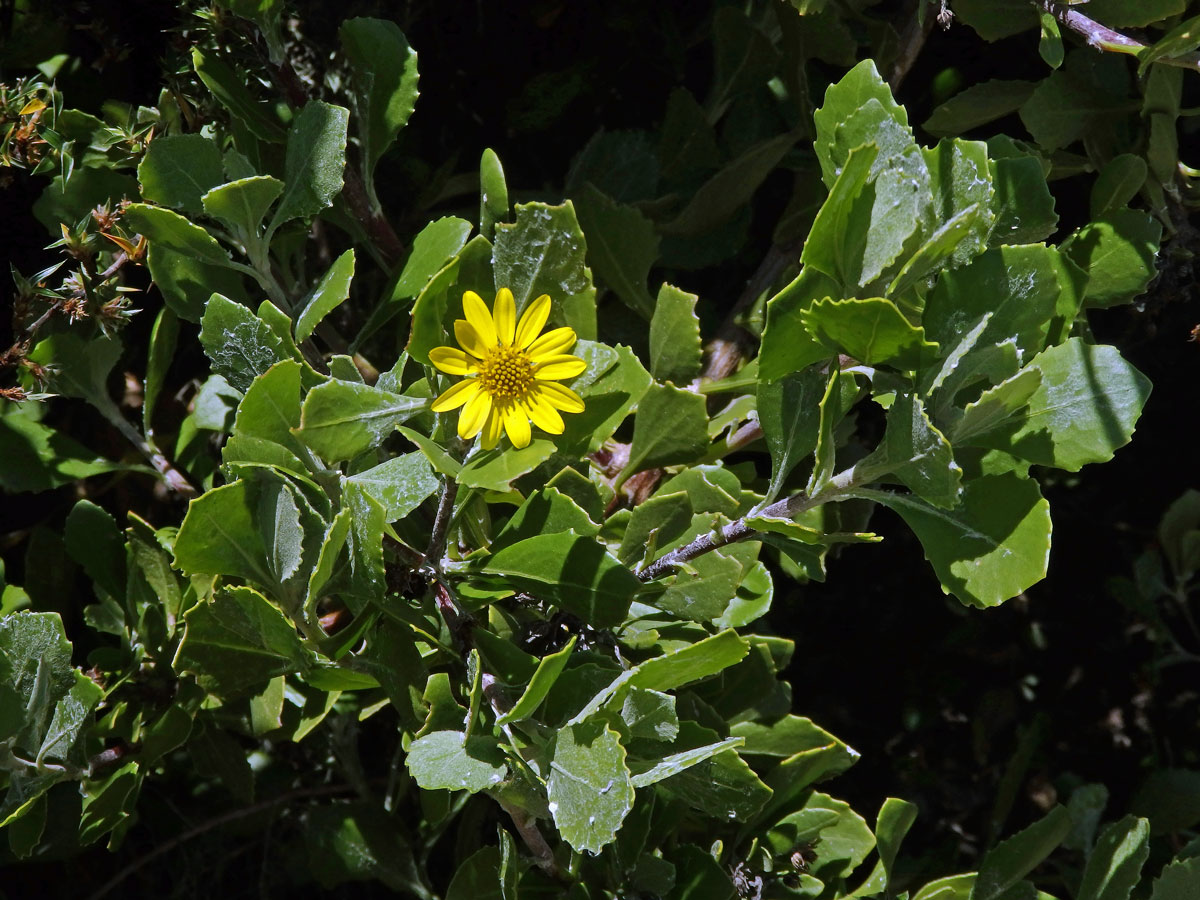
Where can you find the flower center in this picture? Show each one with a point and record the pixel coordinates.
(506, 372)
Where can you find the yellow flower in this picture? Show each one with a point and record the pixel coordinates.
(511, 372)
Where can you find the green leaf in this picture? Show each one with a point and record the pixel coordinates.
(436, 244)
(1022, 203)
(384, 75)
(787, 346)
(1084, 408)
(161, 353)
(186, 283)
(331, 290)
(243, 204)
(917, 454)
(35, 675)
(546, 511)
(237, 641)
(703, 589)
(449, 760)
(174, 232)
(400, 484)
(219, 535)
(1019, 286)
(229, 87)
(179, 169)
(572, 571)
(1011, 860)
(1117, 183)
(316, 157)
(94, 541)
(854, 107)
(783, 738)
(493, 193)
(1115, 864)
(1179, 880)
(653, 525)
(608, 401)
(270, 408)
(478, 877)
(692, 663)
(675, 336)
(650, 715)
(440, 300)
(991, 547)
(1184, 38)
(731, 188)
(895, 818)
(961, 180)
(357, 842)
(722, 787)
(671, 426)
(978, 104)
(1063, 107)
(496, 469)
(1050, 44)
(543, 252)
(1170, 799)
(871, 330)
(832, 411)
(240, 345)
(998, 407)
(341, 419)
(34, 457)
(678, 762)
(789, 412)
(278, 519)
(588, 787)
(622, 246)
(836, 231)
(543, 679)
(1117, 251)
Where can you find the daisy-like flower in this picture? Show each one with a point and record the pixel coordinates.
(511, 372)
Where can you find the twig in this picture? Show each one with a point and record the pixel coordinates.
(1104, 38)
(911, 43)
(203, 827)
(532, 836)
(441, 522)
(725, 350)
(787, 508)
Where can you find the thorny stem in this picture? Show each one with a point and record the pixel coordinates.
(1103, 38)
(787, 508)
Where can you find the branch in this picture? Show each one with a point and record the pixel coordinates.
(1104, 38)
(727, 347)
(787, 508)
(441, 522)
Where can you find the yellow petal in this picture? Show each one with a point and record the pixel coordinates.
(471, 419)
(504, 313)
(544, 415)
(468, 339)
(560, 397)
(556, 367)
(455, 397)
(477, 314)
(492, 429)
(560, 340)
(517, 425)
(451, 361)
(533, 320)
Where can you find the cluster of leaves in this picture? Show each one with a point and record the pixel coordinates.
(570, 635)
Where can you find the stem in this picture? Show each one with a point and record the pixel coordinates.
(1103, 38)
(787, 508)
(175, 480)
(441, 522)
(911, 43)
(726, 349)
(527, 828)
